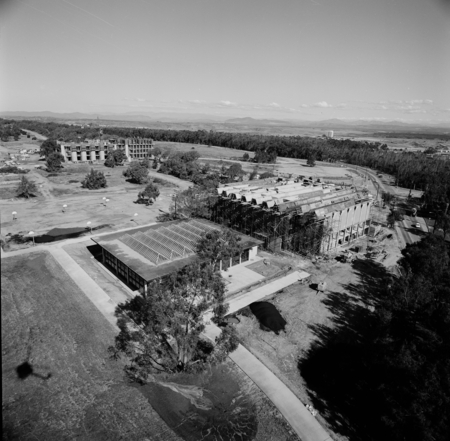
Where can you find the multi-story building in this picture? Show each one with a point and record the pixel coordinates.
(97, 150)
(298, 217)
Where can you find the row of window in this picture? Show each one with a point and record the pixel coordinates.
(122, 270)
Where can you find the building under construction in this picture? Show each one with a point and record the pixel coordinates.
(98, 150)
(300, 217)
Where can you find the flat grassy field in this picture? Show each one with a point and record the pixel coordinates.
(203, 150)
(74, 390)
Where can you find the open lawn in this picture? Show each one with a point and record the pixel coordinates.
(57, 380)
(45, 212)
(202, 149)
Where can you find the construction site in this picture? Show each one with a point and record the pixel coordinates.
(301, 217)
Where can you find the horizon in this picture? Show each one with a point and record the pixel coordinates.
(289, 61)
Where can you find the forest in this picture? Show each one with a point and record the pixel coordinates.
(411, 169)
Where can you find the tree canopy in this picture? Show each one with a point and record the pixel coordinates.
(311, 161)
(149, 194)
(218, 245)
(26, 188)
(54, 161)
(137, 173)
(193, 202)
(115, 157)
(161, 331)
(48, 147)
(94, 180)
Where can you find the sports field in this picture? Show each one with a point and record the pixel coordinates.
(57, 380)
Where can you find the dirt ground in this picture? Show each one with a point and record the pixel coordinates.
(45, 211)
(305, 310)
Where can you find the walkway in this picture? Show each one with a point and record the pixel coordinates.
(244, 299)
(293, 410)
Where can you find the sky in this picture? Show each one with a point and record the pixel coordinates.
(275, 59)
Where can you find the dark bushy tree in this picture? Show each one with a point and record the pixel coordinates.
(149, 194)
(54, 161)
(115, 157)
(26, 188)
(94, 180)
(193, 202)
(218, 245)
(109, 162)
(160, 331)
(48, 147)
(311, 161)
(136, 173)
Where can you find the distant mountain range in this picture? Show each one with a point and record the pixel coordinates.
(129, 116)
(331, 124)
(174, 117)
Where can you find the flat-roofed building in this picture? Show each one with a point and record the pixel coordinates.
(97, 150)
(143, 254)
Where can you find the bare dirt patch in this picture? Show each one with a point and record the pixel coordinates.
(307, 312)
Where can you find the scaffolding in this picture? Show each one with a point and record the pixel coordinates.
(310, 232)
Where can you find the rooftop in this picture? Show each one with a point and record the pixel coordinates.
(161, 249)
(294, 196)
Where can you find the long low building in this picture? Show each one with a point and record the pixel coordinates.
(97, 150)
(296, 216)
(147, 253)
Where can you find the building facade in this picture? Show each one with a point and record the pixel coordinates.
(300, 217)
(98, 150)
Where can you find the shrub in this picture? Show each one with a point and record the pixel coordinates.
(12, 169)
(137, 173)
(94, 180)
(26, 188)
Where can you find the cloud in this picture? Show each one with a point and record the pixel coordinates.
(322, 104)
(276, 105)
(227, 103)
(196, 101)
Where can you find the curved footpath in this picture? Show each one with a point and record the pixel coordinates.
(293, 410)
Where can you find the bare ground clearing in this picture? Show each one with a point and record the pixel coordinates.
(306, 312)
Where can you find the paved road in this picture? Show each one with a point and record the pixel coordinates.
(406, 229)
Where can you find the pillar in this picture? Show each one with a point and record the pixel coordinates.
(93, 158)
(63, 152)
(83, 156)
(74, 157)
(102, 155)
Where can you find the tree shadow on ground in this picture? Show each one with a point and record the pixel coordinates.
(338, 368)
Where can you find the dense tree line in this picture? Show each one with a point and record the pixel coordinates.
(411, 169)
(10, 130)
